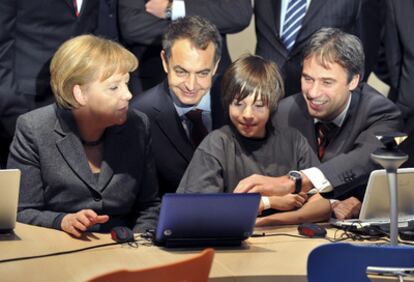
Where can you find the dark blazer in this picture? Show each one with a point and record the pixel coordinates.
(342, 14)
(399, 47)
(30, 33)
(172, 148)
(108, 20)
(371, 29)
(142, 33)
(399, 42)
(56, 178)
(347, 161)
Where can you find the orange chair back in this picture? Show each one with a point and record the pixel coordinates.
(193, 269)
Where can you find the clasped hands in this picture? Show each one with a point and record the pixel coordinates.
(277, 188)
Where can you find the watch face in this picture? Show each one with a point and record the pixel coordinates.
(297, 177)
(294, 174)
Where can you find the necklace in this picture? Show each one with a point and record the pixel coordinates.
(93, 143)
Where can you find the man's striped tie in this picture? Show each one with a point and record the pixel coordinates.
(295, 13)
(324, 133)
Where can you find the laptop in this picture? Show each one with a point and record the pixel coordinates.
(9, 195)
(199, 220)
(375, 209)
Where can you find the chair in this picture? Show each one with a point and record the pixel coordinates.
(194, 269)
(347, 262)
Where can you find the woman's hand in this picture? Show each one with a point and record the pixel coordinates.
(77, 223)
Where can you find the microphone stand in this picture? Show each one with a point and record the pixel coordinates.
(391, 160)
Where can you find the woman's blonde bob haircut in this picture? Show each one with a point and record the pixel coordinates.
(84, 59)
(252, 75)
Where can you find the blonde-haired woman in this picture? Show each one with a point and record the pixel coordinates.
(86, 161)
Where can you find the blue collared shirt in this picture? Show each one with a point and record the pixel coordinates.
(283, 8)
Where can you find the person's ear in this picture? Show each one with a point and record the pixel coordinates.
(79, 95)
(354, 82)
(164, 60)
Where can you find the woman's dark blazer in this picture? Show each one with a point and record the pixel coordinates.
(56, 178)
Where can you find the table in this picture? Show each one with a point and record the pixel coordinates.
(273, 258)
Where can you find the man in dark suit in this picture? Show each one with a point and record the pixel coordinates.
(399, 46)
(142, 23)
(30, 33)
(270, 16)
(339, 117)
(108, 20)
(190, 56)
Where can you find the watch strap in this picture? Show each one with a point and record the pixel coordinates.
(297, 178)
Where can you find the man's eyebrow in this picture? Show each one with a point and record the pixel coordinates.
(328, 79)
(320, 78)
(183, 69)
(180, 68)
(204, 70)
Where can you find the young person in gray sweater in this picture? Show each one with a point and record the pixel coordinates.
(251, 145)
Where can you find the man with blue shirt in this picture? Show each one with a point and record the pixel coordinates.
(187, 105)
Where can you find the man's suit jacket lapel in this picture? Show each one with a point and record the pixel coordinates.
(312, 16)
(71, 147)
(270, 16)
(276, 6)
(308, 27)
(71, 6)
(305, 123)
(170, 123)
(275, 10)
(298, 117)
(339, 141)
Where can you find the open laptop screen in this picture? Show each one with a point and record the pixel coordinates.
(376, 202)
(9, 194)
(375, 209)
(206, 219)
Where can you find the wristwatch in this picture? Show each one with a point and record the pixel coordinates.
(297, 177)
(168, 10)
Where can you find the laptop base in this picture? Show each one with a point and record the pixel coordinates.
(6, 231)
(371, 228)
(200, 242)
